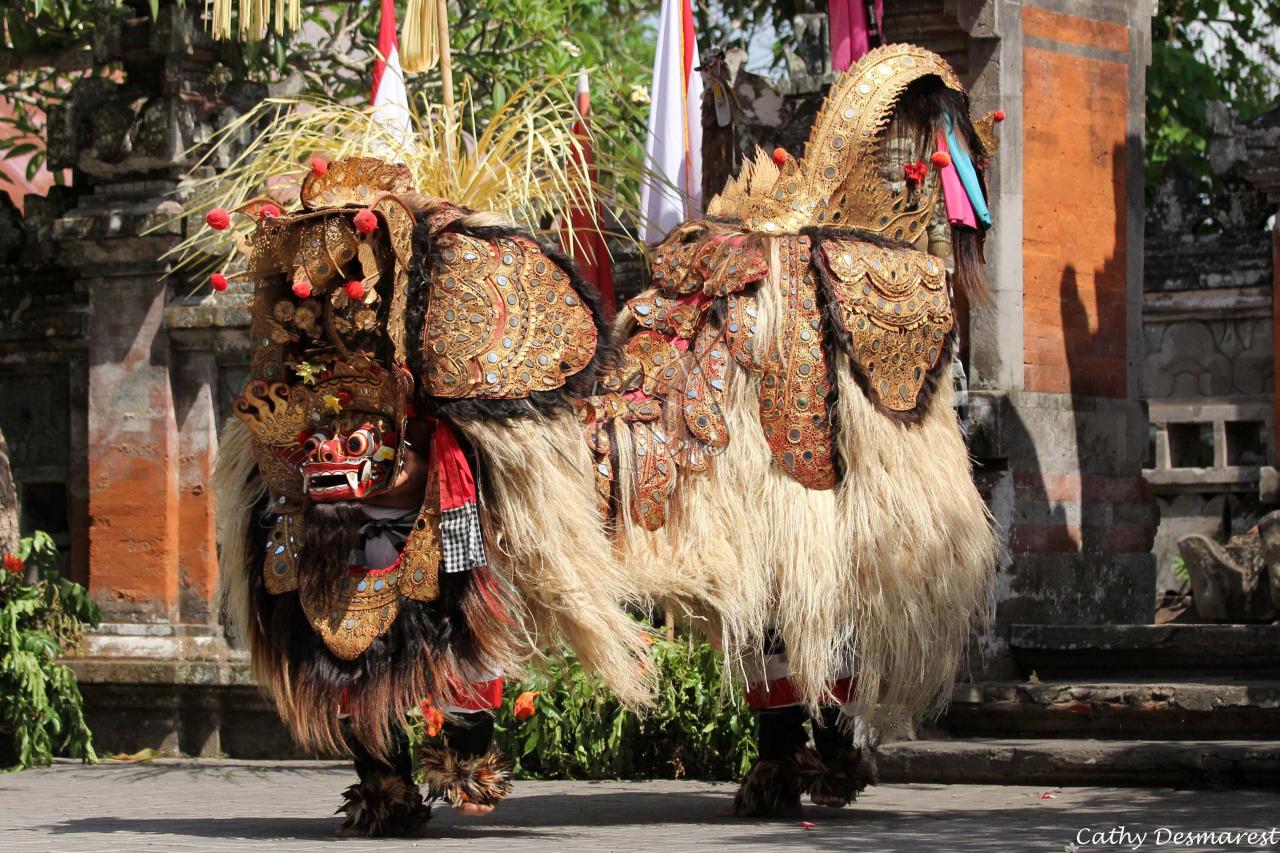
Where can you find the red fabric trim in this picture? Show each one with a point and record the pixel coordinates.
(481, 696)
(457, 484)
(780, 692)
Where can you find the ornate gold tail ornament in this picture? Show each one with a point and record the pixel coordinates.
(838, 181)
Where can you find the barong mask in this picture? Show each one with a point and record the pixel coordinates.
(328, 401)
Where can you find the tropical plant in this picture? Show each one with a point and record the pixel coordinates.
(1204, 51)
(41, 710)
(562, 723)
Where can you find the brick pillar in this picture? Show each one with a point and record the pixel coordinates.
(132, 437)
(1058, 426)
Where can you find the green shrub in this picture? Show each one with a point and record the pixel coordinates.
(579, 730)
(41, 710)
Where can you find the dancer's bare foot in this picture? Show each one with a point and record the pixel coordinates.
(473, 809)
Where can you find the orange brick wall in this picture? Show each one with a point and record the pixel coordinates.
(1075, 208)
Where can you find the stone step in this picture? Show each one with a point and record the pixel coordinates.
(1150, 710)
(1061, 762)
(1155, 651)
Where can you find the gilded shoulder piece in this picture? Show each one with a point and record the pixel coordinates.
(895, 308)
(503, 320)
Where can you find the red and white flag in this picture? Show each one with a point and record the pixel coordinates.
(581, 236)
(674, 149)
(389, 98)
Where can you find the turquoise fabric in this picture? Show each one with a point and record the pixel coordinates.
(969, 177)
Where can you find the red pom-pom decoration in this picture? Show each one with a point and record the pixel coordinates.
(780, 156)
(218, 282)
(318, 166)
(217, 219)
(998, 115)
(302, 289)
(355, 289)
(366, 221)
(941, 159)
(268, 211)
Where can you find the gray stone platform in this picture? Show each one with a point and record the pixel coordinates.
(285, 806)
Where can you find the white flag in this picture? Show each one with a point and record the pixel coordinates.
(674, 146)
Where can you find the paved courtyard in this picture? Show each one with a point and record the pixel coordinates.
(285, 806)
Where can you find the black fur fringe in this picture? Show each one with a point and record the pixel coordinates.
(384, 807)
(771, 788)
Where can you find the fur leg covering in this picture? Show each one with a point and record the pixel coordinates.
(771, 788)
(384, 806)
(484, 780)
(836, 780)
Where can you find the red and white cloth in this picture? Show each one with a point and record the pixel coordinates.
(771, 686)
(389, 97)
(674, 147)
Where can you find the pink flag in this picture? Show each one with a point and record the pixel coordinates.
(851, 31)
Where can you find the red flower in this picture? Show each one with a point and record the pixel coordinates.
(344, 398)
(915, 172)
(941, 159)
(526, 705)
(366, 221)
(433, 717)
(355, 289)
(318, 166)
(218, 282)
(302, 288)
(268, 211)
(13, 565)
(217, 219)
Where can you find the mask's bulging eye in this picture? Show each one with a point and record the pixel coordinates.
(361, 442)
(313, 443)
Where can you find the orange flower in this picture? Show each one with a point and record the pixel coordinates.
(13, 564)
(526, 706)
(433, 717)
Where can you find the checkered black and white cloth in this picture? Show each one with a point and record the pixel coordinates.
(461, 540)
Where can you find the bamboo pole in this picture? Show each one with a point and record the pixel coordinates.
(446, 75)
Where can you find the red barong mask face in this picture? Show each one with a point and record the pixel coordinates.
(350, 458)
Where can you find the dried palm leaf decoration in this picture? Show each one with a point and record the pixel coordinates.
(255, 17)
